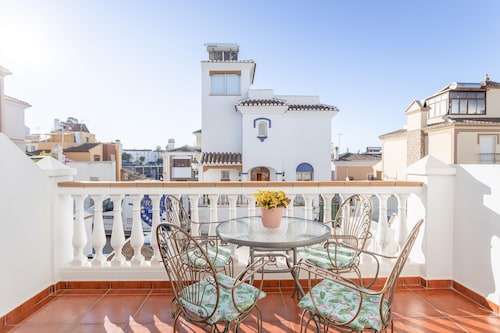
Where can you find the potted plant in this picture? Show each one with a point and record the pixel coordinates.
(271, 205)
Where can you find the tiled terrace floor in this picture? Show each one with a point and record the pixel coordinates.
(142, 310)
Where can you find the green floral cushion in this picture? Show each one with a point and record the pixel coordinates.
(219, 256)
(336, 302)
(245, 295)
(318, 256)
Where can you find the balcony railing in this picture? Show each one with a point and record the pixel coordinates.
(89, 231)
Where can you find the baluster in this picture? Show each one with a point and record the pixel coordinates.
(401, 230)
(155, 204)
(98, 234)
(79, 235)
(232, 205)
(308, 209)
(327, 207)
(194, 211)
(251, 205)
(289, 208)
(137, 234)
(380, 238)
(117, 234)
(213, 212)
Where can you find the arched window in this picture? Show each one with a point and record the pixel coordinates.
(304, 171)
(262, 125)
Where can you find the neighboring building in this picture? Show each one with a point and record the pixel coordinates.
(181, 164)
(358, 166)
(254, 134)
(459, 124)
(12, 115)
(148, 155)
(74, 144)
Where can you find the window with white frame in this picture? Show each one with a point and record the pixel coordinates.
(225, 84)
(224, 175)
(262, 125)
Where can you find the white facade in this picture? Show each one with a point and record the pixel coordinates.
(94, 170)
(148, 154)
(276, 136)
(12, 115)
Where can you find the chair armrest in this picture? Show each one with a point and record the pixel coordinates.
(316, 274)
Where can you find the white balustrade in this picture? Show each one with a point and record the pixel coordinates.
(233, 195)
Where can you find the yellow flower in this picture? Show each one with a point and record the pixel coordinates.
(271, 199)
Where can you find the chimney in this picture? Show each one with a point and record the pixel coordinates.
(171, 144)
(3, 73)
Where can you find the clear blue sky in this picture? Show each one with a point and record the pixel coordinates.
(131, 69)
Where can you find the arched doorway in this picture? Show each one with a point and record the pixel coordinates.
(260, 174)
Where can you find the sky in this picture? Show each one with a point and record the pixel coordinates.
(131, 70)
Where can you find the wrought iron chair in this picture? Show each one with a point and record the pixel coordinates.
(350, 233)
(339, 303)
(220, 254)
(202, 295)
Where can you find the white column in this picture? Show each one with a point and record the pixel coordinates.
(137, 234)
(233, 198)
(380, 237)
(401, 229)
(98, 234)
(79, 235)
(308, 209)
(155, 204)
(117, 233)
(327, 206)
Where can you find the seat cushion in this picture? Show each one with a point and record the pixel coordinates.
(318, 256)
(245, 296)
(339, 303)
(219, 256)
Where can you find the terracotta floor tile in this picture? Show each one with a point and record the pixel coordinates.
(426, 325)
(52, 328)
(156, 308)
(98, 328)
(117, 309)
(410, 305)
(416, 310)
(67, 309)
(479, 324)
(452, 303)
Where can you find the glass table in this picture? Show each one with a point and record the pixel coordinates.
(293, 233)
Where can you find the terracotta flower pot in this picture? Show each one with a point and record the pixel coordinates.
(271, 218)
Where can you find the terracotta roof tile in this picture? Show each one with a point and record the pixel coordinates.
(312, 107)
(81, 148)
(221, 158)
(262, 102)
(291, 107)
(360, 157)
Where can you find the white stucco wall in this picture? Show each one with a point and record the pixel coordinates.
(440, 145)
(220, 122)
(476, 262)
(394, 159)
(101, 171)
(25, 232)
(293, 138)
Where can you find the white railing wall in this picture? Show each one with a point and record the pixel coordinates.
(98, 267)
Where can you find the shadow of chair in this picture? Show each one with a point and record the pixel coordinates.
(221, 254)
(203, 296)
(337, 302)
(350, 233)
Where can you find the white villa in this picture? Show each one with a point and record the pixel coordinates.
(12, 115)
(255, 135)
(459, 124)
